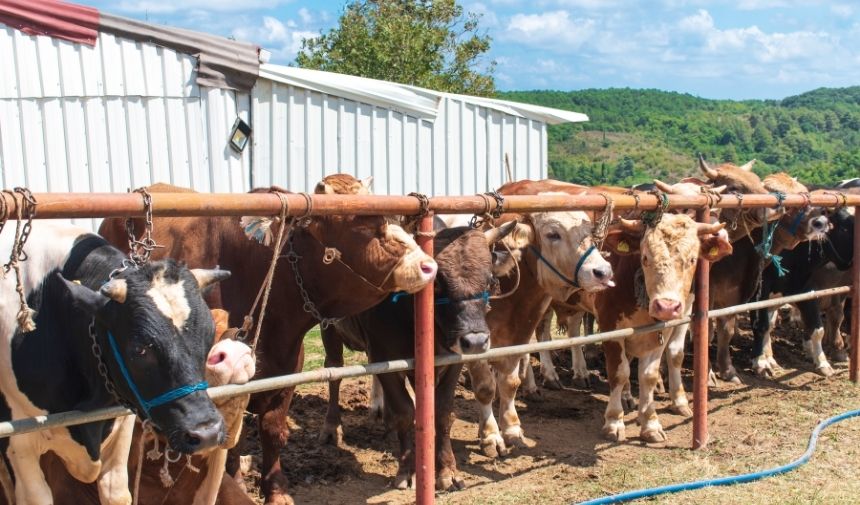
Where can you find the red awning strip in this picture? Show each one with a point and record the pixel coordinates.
(75, 23)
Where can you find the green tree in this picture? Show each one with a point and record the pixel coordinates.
(427, 43)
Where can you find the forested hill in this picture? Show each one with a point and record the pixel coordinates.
(637, 135)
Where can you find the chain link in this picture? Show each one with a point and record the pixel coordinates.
(139, 251)
(308, 305)
(490, 216)
(103, 371)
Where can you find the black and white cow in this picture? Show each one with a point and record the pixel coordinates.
(802, 263)
(154, 332)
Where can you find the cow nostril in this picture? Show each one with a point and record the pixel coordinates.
(428, 268)
(192, 440)
(217, 358)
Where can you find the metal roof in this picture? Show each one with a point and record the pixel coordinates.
(411, 100)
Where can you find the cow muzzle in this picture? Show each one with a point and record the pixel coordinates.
(664, 309)
(474, 343)
(229, 362)
(203, 436)
(415, 270)
(817, 228)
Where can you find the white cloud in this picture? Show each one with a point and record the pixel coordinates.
(283, 39)
(306, 16)
(554, 29)
(488, 16)
(842, 10)
(170, 6)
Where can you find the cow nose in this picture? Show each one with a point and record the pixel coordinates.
(428, 269)
(205, 436)
(819, 223)
(664, 309)
(474, 342)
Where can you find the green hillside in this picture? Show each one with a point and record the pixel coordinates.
(637, 135)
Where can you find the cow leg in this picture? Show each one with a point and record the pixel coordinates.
(508, 380)
(675, 351)
(446, 464)
(543, 333)
(627, 399)
(813, 337)
(581, 373)
(400, 415)
(725, 328)
(113, 481)
(763, 365)
(274, 432)
(527, 376)
(833, 316)
(649, 371)
(618, 373)
(30, 485)
(484, 387)
(377, 400)
(332, 429)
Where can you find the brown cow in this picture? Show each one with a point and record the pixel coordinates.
(553, 244)
(346, 264)
(666, 253)
(229, 362)
(466, 278)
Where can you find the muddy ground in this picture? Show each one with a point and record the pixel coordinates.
(755, 425)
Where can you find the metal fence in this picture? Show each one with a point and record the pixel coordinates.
(77, 205)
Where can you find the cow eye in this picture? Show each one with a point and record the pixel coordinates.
(139, 350)
(553, 235)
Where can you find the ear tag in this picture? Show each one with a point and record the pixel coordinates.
(713, 252)
(77, 282)
(623, 247)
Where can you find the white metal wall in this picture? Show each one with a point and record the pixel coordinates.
(120, 115)
(302, 135)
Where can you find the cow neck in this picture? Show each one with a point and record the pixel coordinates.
(512, 320)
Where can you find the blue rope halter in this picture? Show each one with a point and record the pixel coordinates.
(792, 228)
(161, 399)
(766, 244)
(575, 281)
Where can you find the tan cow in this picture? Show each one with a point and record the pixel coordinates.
(551, 245)
(666, 253)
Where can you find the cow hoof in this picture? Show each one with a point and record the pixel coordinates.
(449, 482)
(582, 381)
(493, 446)
(614, 432)
(839, 356)
(712, 379)
(331, 434)
(404, 480)
(730, 375)
(653, 435)
(762, 367)
(518, 440)
(553, 384)
(280, 499)
(532, 394)
(826, 370)
(682, 410)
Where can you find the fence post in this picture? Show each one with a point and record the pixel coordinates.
(855, 300)
(425, 428)
(700, 347)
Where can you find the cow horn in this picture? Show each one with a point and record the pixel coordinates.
(708, 228)
(718, 189)
(707, 170)
(206, 277)
(493, 235)
(748, 165)
(115, 289)
(632, 225)
(662, 186)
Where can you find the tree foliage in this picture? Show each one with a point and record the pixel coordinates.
(427, 43)
(637, 135)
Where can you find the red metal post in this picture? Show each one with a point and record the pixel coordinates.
(855, 301)
(425, 428)
(700, 348)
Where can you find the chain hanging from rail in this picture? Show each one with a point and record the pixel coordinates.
(652, 217)
(139, 250)
(410, 223)
(26, 211)
(489, 215)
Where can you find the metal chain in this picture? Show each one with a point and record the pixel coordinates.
(601, 225)
(26, 209)
(734, 224)
(308, 305)
(651, 218)
(408, 222)
(139, 251)
(489, 216)
(103, 371)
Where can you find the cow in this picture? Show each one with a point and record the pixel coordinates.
(557, 260)
(465, 281)
(342, 266)
(735, 280)
(800, 265)
(228, 362)
(101, 328)
(665, 253)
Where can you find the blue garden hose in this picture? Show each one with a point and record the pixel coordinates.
(730, 480)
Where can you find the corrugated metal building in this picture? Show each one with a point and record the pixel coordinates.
(127, 104)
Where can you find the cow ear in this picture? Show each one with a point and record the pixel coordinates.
(84, 298)
(367, 184)
(222, 321)
(207, 277)
(504, 261)
(621, 243)
(714, 247)
(519, 237)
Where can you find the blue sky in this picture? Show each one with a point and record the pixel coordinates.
(715, 49)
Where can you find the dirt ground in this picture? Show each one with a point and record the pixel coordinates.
(756, 425)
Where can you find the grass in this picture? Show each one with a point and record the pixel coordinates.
(315, 352)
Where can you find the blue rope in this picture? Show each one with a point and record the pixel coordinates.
(732, 479)
(161, 399)
(766, 244)
(575, 281)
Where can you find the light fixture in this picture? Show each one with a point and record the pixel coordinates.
(239, 135)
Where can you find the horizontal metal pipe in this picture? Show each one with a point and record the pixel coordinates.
(96, 205)
(27, 425)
